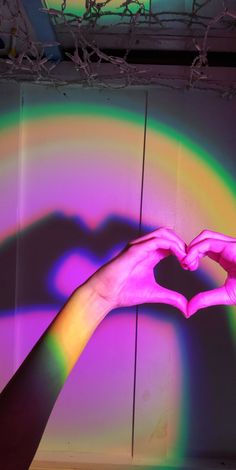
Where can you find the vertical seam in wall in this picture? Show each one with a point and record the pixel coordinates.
(18, 225)
(137, 308)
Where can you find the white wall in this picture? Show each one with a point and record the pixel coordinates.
(79, 173)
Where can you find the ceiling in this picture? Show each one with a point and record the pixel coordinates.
(39, 36)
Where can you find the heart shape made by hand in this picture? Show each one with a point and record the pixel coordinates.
(128, 278)
(170, 274)
(221, 249)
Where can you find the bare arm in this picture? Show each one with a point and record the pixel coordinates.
(29, 397)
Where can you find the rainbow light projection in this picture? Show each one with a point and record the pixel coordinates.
(78, 8)
(73, 7)
(59, 124)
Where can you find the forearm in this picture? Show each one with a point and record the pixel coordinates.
(28, 399)
(74, 325)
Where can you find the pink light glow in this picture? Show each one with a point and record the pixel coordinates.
(56, 176)
(73, 270)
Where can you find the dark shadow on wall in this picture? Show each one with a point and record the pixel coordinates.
(31, 256)
(42, 244)
(209, 351)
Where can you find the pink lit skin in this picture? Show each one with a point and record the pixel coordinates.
(221, 249)
(128, 279)
(216, 246)
(124, 281)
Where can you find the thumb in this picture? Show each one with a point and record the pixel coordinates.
(208, 298)
(170, 297)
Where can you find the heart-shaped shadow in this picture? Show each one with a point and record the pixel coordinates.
(169, 273)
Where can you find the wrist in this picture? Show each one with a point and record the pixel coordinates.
(97, 306)
(76, 322)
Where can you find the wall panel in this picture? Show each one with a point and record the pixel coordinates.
(81, 171)
(71, 181)
(183, 406)
(9, 152)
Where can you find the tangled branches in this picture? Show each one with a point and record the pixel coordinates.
(89, 62)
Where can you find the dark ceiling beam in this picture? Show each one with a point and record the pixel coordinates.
(43, 28)
(165, 57)
(143, 38)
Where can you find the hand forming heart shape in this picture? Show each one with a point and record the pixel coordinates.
(221, 249)
(128, 279)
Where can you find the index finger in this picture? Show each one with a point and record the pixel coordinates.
(162, 247)
(164, 233)
(205, 234)
(209, 247)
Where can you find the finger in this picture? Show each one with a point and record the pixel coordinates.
(149, 235)
(210, 234)
(209, 246)
(205, 299)
(167, 296)
(162, 232)
(160, 248)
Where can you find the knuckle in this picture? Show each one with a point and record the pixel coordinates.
(232, 297)
(163, 231)
(231, 291)
(133, 247)
(202, 300)
(205, 232)
(159, 231)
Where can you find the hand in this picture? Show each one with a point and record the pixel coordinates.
(129, 280)
(126, 280)
(221, 249)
